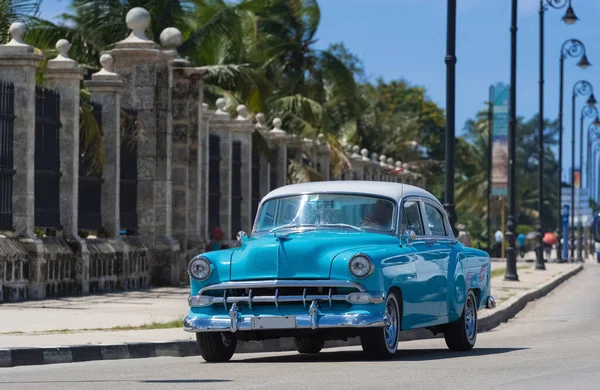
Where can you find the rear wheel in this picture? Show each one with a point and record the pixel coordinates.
(461, 335)
(216, 347)
(312, 344)
(382, 343)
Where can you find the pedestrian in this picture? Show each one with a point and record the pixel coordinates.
(498, 247)
(216, 242)
(463, 235)
(521, 242)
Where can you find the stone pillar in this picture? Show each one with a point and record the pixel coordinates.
(242, 132)
(366, 163)
(376, 175)
(147, 83)
(105, 87)
(18, 64)
(278, 139)
(64, 75)
(196, 168)
(265, 164)
(219, 125)
(203, 167)
(323, 163)
(357, 165)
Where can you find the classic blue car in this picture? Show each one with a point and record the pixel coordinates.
(340, 259)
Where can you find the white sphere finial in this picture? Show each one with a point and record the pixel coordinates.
(277, 130)
(221, 106)
(365, 154)
(16, 30)
(242, 112)
(398, 164)
(260, 119)
(63, 47)
(374, 156)
(382, 158)
(170, 38)
(277, 123)
(355, 148)
(390, 161)
(107, 62)
(138, 20)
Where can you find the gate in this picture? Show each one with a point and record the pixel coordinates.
(236, 187)
(47, 159)
(7, 118)
(90, 178)
(214, 181)
(274, 169)
(128, 182)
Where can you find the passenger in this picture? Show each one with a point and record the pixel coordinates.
(216, 242)
(381, 215)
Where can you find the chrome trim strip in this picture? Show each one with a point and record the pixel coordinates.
(244, 323)
(314, 314)
(374, 298)
(274, 283)
(234, 318)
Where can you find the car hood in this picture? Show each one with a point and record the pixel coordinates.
(300, 255)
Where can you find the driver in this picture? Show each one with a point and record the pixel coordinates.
(380, 216)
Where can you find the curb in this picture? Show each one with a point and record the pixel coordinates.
(183, 348)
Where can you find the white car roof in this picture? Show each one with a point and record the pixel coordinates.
(391, 190)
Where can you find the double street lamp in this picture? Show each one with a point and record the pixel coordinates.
(580, 88)
(450, 112)
(573, 48)
(568, 18)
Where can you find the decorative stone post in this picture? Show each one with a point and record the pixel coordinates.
(323, 164)
(147, 83)
(278, 139)
(64, 75)
(242, 133)
(265, 164)
(356, 160)
(376, 176)
(18, 64)
(105, 87)
(366, 163)
(220, 126)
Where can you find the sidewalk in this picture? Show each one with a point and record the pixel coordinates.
(78, 321)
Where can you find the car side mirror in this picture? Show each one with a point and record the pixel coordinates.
(242, 237)
(408, 236)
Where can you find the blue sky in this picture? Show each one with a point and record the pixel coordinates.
(407, 39)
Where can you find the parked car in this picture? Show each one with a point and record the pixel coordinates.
(340, 259)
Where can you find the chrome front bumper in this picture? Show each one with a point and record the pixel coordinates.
(235, 321)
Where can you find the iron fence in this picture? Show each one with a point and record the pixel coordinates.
(129, 173)
(7, 118)
(47, 159)
(90, 173)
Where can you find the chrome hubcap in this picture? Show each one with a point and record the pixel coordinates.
(470, 320)
(390, 330)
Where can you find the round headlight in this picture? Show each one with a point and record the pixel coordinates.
(360, 266)
(199, 268)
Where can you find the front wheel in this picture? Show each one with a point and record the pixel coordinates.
(461, 335)
(382, 343)
(216, 347)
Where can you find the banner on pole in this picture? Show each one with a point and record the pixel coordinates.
(577, 178)
(499, 98)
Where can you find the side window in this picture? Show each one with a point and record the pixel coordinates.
(411, 217)
(436, 221)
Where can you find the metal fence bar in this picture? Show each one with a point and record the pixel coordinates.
(7, 117)
(90, 176)
(129, 173)
(47, 158)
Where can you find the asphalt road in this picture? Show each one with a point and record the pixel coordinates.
(553, 343)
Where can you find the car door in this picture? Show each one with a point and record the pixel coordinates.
(421, 295)
(440, 240)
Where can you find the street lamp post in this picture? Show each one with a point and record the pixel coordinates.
(450, 110)
(580, 88)
(593, 130)
(568, 18)
(588, 111)
(570, 48)
(511, 223)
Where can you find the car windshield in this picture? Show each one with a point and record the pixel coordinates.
(358, 211)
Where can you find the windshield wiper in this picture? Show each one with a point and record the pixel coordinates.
(344, 225)
(289, 225)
